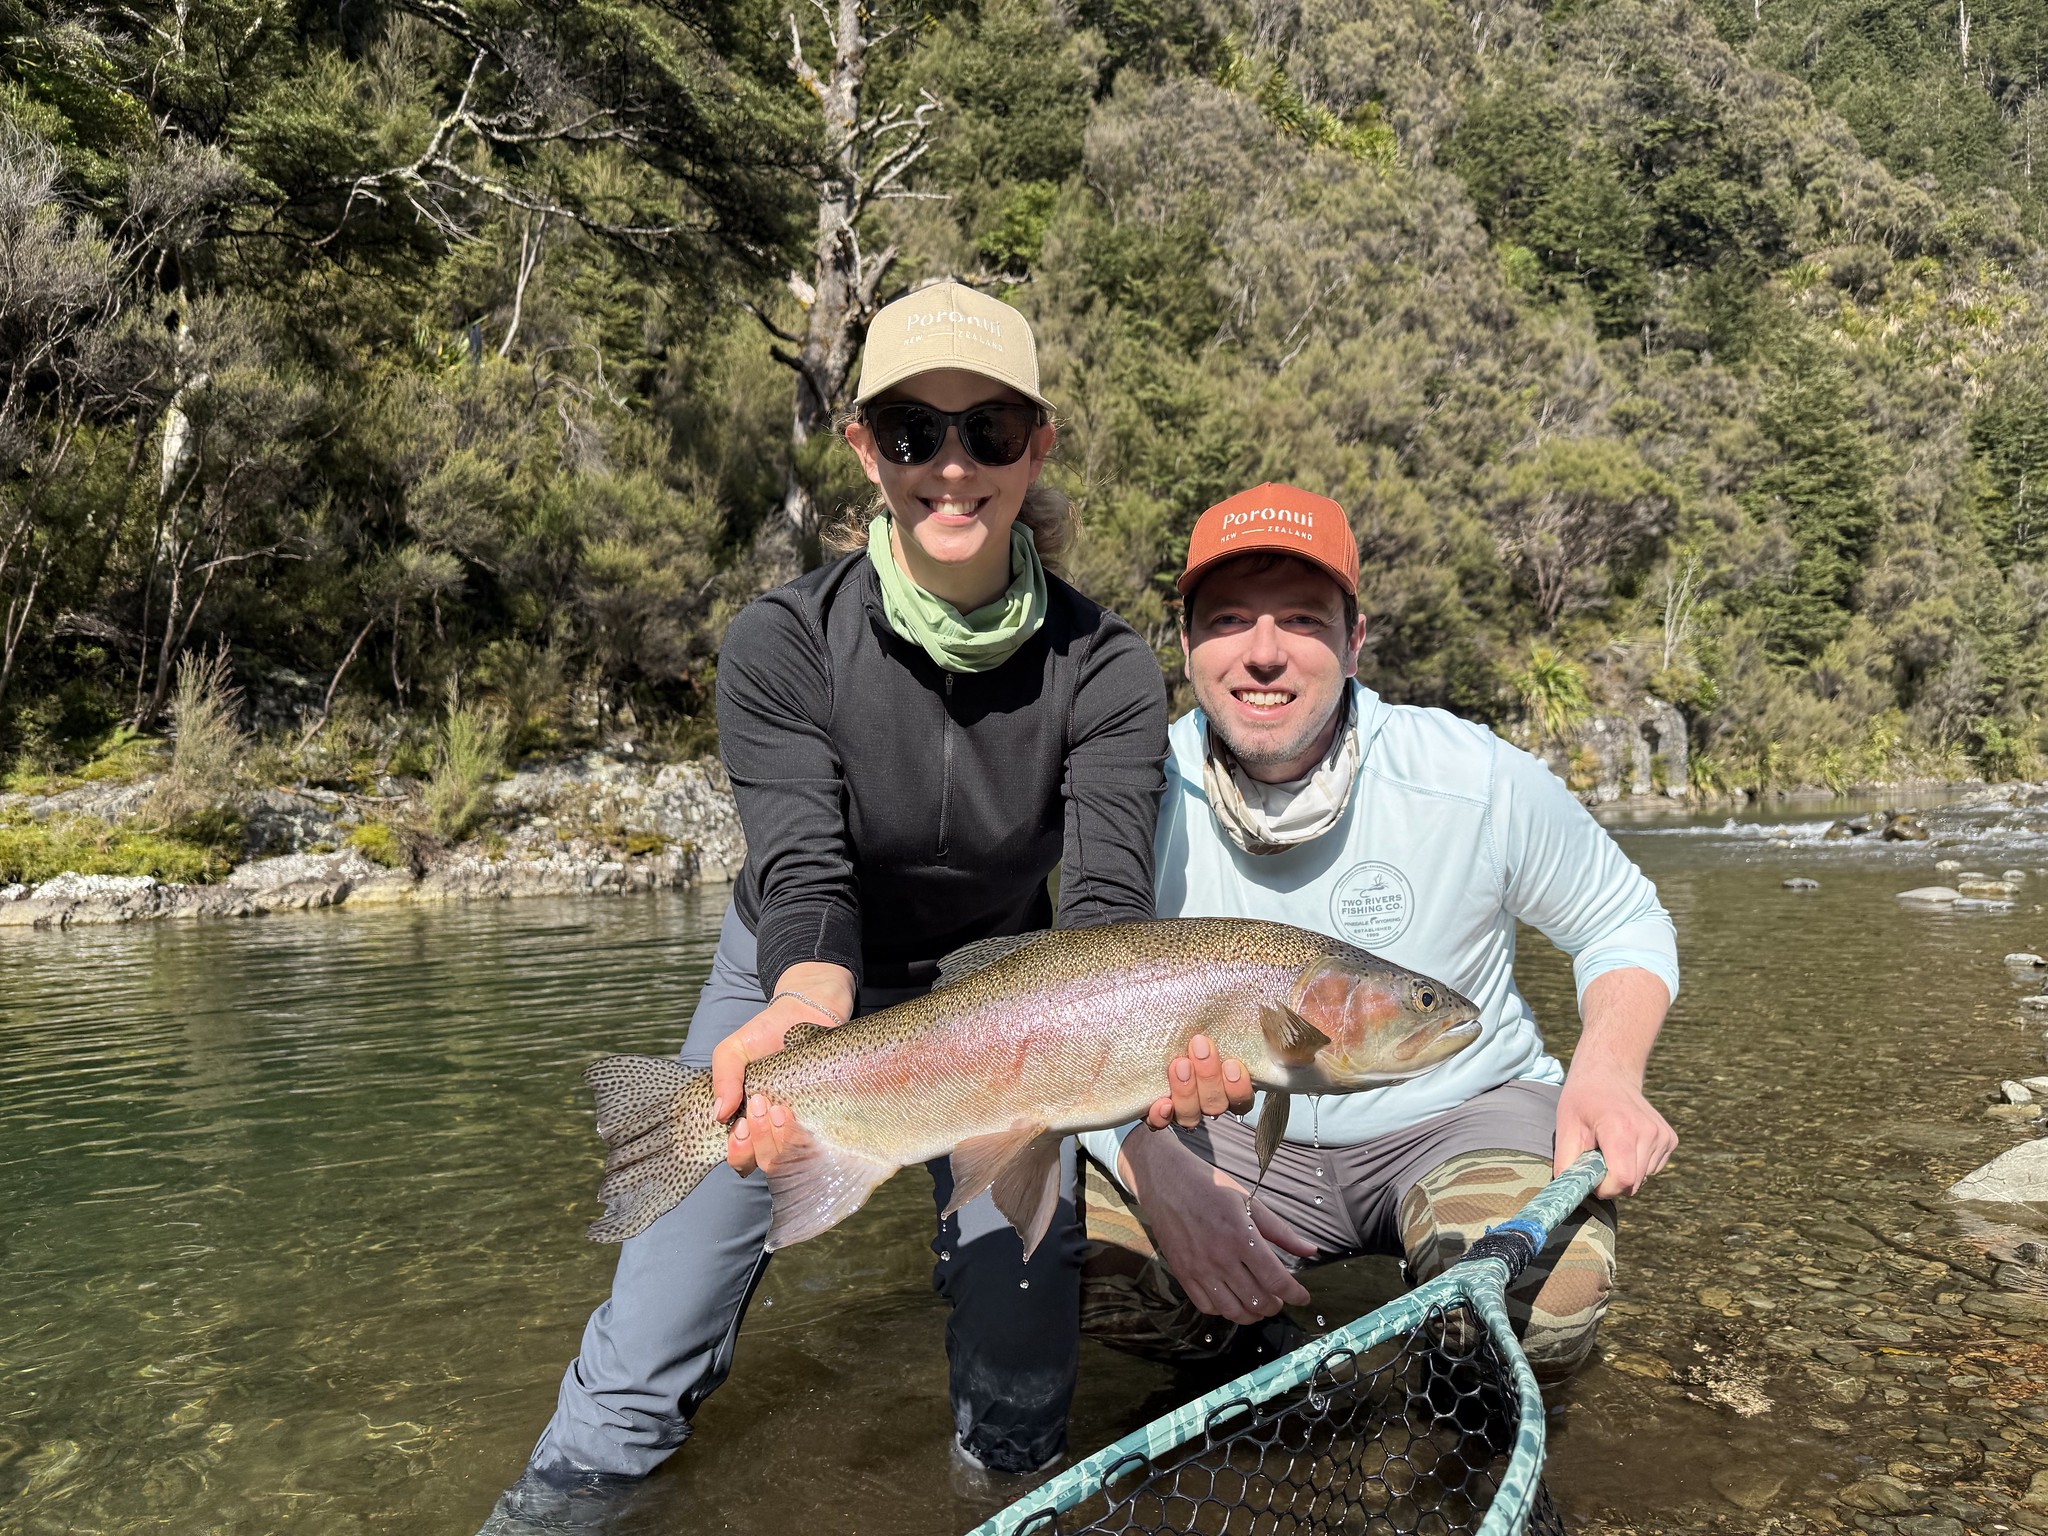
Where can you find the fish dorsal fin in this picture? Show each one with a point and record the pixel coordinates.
(1027, 1191)
(1272, 1126)
(978, 1160)
(817, 1185)
(982, 954)
(803, 1034)
(1293, 1039)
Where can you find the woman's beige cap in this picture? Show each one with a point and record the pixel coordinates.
(949, 325)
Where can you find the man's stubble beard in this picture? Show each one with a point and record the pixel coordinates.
(1269, 753)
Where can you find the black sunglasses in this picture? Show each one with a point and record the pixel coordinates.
(908, 432)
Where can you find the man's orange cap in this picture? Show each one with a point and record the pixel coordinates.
(1278, 520)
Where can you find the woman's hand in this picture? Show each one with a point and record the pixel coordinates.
(761, 1138)
(1200, 1083)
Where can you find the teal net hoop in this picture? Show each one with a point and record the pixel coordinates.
(1420, 1417)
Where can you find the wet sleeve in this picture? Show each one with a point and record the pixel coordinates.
(1562, 874)
(1116, 748)
(774, 712)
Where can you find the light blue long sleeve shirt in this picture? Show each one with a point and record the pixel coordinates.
(1451, 836)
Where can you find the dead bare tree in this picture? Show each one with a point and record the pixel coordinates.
(867, 152)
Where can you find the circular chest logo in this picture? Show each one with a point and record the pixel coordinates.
(1372, 904)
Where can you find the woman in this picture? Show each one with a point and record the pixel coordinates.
(916, 735)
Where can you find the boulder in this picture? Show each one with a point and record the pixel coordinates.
(1801, 883)
(1931, 896)
(298, 882)
(2017, 1177)
(1905, 828)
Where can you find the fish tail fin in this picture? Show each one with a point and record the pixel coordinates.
(654, 1114)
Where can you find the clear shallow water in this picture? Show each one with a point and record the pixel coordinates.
(291, 1210)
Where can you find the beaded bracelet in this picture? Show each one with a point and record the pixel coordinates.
(833, 1015)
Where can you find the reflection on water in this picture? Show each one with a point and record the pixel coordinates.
(291, 1228)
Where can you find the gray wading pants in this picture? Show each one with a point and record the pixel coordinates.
(664, 1341)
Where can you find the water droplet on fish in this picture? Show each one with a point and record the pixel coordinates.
(769, 1302)
(1319, 1199)
(1319, 1321)
(1023, 1285)
(945, 1255)
(1208, 1338)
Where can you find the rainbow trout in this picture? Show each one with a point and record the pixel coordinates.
(1026, 1040)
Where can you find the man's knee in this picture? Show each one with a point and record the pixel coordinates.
(1556, 1303)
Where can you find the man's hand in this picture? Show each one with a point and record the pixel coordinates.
(1602, 1104)
(1226, 1264)
(828, 987)
(1201, 1083)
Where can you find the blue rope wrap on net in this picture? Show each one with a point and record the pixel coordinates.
(1515, 1242)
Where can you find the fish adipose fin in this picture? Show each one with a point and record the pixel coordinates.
(980, 1160)
(815, 1186)
(654, 1114)
(1027, 1191)
(1294, 1040)
(982, 954)
(1272, 1126)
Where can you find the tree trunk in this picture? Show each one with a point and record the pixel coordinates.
(865, 157)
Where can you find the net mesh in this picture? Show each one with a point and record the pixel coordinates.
(1412, 1435)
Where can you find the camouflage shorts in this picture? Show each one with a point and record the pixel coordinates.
(1557, 1302)
(1423, 1194)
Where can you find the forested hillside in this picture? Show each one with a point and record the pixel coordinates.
(484, 350)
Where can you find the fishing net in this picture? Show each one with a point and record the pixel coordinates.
(1420, 1417)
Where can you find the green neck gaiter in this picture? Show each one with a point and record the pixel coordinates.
(971, 642)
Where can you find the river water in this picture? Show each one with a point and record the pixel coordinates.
(291, 1212)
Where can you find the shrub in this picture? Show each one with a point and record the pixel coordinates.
(470, 759)
(207, 747)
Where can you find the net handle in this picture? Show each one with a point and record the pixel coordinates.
(1484, 1289)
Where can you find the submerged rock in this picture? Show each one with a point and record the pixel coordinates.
(1905, 828)
(1931, 896)
(2017, 1177)
(1801, 883)
(2024, 958)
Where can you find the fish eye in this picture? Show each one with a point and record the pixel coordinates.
(1425, 996)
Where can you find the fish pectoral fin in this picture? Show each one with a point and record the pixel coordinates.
(1294, 1040)
(817, 1185)
(1027, 1191)
(1272, 1126)
(979, 1160)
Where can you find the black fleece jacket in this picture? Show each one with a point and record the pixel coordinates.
(895, 811)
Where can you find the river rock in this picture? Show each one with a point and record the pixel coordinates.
(2016, 1092)
(2016, 876)
(1979, 904)
(1748, 1487)
(2022, 959)
(2013, 1114)
(1930, 896)
(1947, 866)
(298, 882)
(1905, 828)
(2036, 1496)
(1881, 1494)
(278, 821)
(2038, 1000)
(2016, 1177)
(1986, 887)
(90, 900)
(1801, 883)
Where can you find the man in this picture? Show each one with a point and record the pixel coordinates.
(1295, 793)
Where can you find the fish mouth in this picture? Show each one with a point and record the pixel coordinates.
(1438, 1042)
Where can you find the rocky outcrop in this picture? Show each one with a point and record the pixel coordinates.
(595, 826)
(1640, 751)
